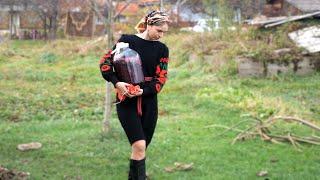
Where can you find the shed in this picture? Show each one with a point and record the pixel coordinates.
(276, 8)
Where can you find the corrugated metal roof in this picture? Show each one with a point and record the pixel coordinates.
(274, 21)
(308, 38)
(306, 5)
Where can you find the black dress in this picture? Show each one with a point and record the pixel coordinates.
(154, 58)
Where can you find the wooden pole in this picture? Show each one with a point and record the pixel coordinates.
(161, 5)
(11, 25)
(108, 103)
(93, 24)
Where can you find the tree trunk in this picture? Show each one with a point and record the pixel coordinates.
(108, 103)
(11, 25)
(53, 17)
(161, 5)
(107, 108)
(45, 28)
(53, 27)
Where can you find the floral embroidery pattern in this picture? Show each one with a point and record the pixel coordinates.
(161, 73)
(105, 68)
(105, 62)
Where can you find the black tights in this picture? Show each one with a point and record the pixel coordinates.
(138, 127)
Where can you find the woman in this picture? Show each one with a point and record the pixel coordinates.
(138, 113)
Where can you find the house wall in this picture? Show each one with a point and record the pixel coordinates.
(4, 21)
(100, 30)
(277, 8)
(80, 24)
(291, 10)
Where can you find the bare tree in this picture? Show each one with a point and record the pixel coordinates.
(52, 12)
(108, 103)
(177, 7)
(48, 10)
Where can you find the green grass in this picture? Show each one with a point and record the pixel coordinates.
(60, 104)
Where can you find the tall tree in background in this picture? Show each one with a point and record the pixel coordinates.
(221, 9)
(177, 7)
(48, 11)
(226, 10)
(108, 103)
(52, 13)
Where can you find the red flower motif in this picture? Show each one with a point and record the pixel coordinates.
(158, 87)
(158, 70)
(162, 80)
(107, 56)
(163, 73)
(105, 68)
(164, 60)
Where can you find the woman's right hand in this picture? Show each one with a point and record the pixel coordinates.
(122, 87)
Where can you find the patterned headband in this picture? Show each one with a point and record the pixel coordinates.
(156, 18)
(153, 18)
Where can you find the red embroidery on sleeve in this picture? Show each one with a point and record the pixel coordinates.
(161, 74)
(105, 68)
(158, 87)
(164, 60)
(105, 57)
(158, 70)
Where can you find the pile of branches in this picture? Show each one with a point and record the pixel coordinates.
(261, 128)
(6, 174)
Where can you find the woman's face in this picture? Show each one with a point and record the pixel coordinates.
(157, 32)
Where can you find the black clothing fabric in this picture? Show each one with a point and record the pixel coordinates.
(154, 58)
(138, 127)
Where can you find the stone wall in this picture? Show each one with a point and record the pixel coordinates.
(248, 67)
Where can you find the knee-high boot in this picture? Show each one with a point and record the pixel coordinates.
(137, 169)
(131, 170)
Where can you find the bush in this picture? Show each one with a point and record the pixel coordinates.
(48, 57)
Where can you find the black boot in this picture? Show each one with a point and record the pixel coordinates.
(131, 170)
(138, 169)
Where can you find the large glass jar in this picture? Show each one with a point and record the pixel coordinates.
(127, 64)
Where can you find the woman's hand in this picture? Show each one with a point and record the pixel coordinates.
(123, 88)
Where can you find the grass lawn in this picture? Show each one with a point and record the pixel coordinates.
(51, 95)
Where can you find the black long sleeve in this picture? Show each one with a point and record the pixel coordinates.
(106, 68)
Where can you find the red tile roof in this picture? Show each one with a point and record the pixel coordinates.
(131, 9)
